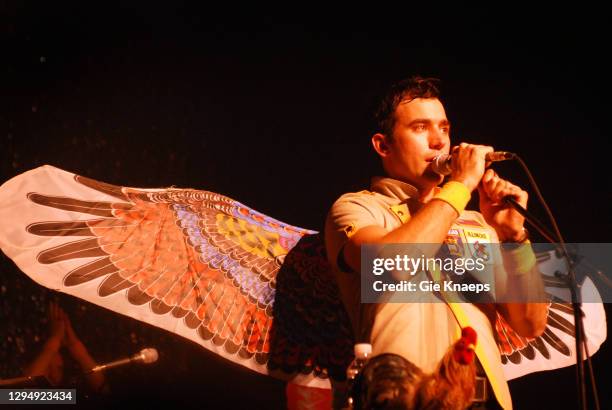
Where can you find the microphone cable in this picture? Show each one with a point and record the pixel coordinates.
(571, 280)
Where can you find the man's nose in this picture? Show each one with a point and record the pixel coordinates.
(437, 139)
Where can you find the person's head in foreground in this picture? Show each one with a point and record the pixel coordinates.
(390, 382)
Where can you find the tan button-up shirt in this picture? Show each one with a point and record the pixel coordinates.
(420, 332)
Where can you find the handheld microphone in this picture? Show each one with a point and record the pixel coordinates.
(442, 163)
(146, 356)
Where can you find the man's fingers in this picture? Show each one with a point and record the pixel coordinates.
(482, 193)
(486, 149)
(472, 149)
(518, 194)
(489, 182)
(497, 189)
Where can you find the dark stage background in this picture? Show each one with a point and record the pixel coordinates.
(276, 114)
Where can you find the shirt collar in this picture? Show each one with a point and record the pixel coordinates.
(394, 188)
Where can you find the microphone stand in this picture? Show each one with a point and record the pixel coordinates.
(575, 295)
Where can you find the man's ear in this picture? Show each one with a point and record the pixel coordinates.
(380, 142)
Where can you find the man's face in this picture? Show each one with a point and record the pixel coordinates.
(421, 132)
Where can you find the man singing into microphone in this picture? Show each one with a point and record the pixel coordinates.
(408, 205)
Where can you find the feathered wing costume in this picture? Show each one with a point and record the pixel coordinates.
(250, 288)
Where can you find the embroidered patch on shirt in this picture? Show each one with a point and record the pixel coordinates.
(454, 243)
(479, 243)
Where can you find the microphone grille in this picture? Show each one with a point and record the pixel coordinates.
(441, 164)
(149, 355)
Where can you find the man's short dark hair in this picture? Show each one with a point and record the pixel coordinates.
(407, 89)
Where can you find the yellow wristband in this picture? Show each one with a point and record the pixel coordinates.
(455, 194)
(520, 260)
